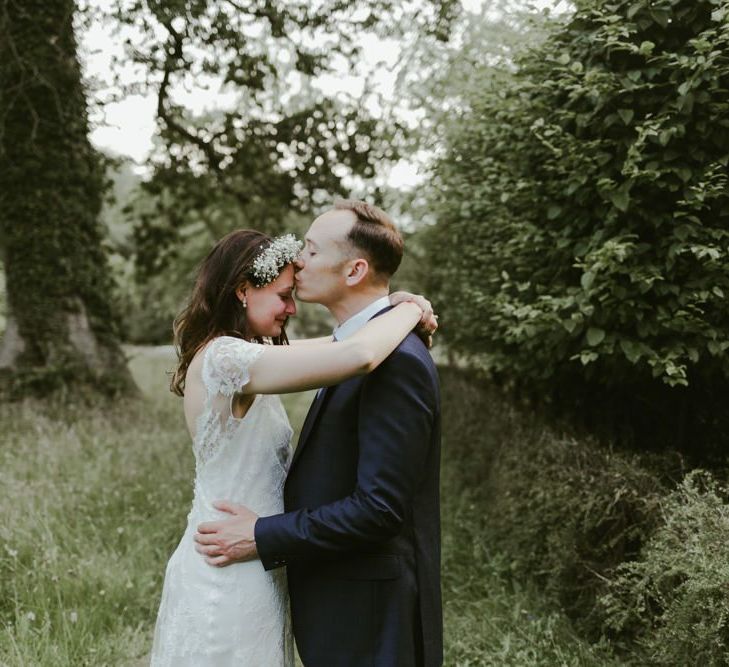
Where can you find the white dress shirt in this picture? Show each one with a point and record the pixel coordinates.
(358, 320)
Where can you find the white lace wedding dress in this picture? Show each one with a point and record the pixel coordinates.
(235, 615)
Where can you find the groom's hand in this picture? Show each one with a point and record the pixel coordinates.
(230, 540)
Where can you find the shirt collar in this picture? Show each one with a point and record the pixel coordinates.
(358, 320)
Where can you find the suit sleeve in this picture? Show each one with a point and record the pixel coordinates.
(396, 414)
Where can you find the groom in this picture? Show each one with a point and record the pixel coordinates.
(361, 533)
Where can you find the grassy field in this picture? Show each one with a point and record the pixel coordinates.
(94, 500)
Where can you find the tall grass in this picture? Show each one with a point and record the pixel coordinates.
(94, 500)
(490, 618)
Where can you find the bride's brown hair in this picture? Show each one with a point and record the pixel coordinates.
(214, 309)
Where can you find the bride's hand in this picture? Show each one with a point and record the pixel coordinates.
(230, 540)
(428, 323)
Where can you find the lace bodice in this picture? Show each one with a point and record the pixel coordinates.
(225, 371)
(237, 614)
(242, 459)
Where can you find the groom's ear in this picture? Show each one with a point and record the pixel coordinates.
(357, 271)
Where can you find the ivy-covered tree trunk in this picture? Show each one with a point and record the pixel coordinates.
(60, 331)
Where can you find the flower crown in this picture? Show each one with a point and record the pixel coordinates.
(268, 264)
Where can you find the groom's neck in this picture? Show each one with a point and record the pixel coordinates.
(353, 303)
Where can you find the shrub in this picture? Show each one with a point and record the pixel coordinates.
(566, 511)
(675, 598)
(569, 512)
(630, 554)
(582, 241)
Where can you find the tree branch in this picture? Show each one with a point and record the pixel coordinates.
(213, 158)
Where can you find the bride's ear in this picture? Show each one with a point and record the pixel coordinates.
(241, 294)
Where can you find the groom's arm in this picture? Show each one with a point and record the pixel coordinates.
(396, 414)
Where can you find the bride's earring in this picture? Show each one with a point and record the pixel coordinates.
(244, 302)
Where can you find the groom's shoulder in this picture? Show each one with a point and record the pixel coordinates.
(411, 352)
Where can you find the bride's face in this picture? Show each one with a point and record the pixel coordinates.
(269, 307)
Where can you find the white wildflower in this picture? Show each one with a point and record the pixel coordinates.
(73, 617)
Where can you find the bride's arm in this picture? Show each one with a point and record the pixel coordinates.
(287, 368)
(307, 341)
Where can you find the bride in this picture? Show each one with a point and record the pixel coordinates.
(233, 359)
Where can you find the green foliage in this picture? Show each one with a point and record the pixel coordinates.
(631, 555)
(494, 614)
(569, 512)
(583, 217)
(564, 511)
(674, 598)
(491, 617)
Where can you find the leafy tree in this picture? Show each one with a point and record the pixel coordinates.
(583, 219)
(276, 148)
(60, 329)
(282, 145)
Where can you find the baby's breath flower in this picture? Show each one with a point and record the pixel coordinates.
(268, 264)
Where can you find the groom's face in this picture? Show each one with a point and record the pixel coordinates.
(324, 262)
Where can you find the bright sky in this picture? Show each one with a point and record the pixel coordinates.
(127, 127)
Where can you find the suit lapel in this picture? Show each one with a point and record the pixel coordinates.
(309, 422)
(315, 409)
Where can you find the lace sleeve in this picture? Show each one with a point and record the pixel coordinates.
(226, 364)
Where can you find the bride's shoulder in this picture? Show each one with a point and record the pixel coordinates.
(225, 361)
(226, 346)
(214, 346)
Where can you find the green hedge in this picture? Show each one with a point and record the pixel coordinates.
(582, 241)
(627, 550)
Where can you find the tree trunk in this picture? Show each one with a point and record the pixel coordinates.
(61, 333)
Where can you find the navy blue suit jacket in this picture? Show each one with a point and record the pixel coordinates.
(361, 531)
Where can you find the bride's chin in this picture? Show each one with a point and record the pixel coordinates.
(276, 330)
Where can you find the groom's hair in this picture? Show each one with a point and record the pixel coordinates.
(374, 234)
